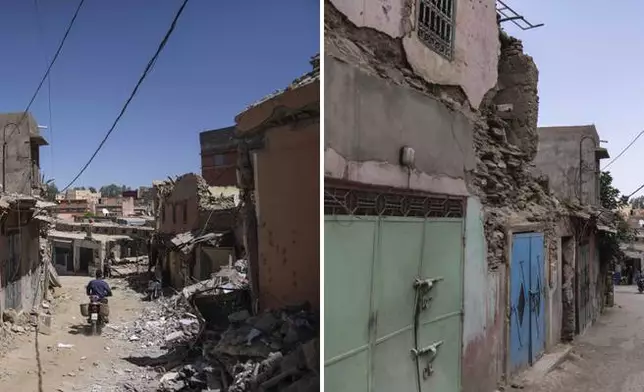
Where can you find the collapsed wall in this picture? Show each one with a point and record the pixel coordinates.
(505, 142)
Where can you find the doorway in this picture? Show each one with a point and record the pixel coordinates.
(86, 258)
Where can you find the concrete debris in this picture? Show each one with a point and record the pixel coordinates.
(228, 279)
(10, 316)
(159, 325)
(273, 351)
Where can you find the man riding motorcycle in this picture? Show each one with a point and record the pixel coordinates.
(99, 288)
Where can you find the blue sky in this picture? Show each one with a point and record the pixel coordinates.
(591, 70)
(223, 56)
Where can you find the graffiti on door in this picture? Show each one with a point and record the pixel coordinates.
(527, 300)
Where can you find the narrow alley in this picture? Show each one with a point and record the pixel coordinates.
(68, 359)
(608, 357)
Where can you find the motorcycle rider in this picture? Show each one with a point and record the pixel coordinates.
(99, 288)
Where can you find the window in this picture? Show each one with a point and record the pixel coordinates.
(174, 213)
(163, 213)
(185, 212)
(219, 159)
(436, 25)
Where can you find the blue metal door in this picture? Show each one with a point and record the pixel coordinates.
(527, 321)
(537, 298)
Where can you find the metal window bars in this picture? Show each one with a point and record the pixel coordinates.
(507, 14)
(436, 25)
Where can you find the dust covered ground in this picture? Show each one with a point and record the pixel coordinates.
(68, 359)
(609, 356)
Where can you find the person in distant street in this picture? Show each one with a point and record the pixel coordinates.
(152, 253)
(636, 275)
(99, 288)
(107, 265)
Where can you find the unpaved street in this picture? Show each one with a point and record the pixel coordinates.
(610, 354)
(94, 363)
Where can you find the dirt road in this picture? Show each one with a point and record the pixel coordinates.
(93, 363)
(610, 353)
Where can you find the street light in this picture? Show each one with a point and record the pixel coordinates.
(4, 154)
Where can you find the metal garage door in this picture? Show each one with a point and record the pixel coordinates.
(393, 292)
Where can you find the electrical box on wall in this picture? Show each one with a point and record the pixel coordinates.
(407, 156)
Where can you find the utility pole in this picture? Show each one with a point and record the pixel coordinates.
(4, 155)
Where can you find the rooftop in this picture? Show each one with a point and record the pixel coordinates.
(77, 235)
(307, 78)
(217, 137)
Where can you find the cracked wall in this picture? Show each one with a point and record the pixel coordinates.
(384, 118)
(377, 101)
(476, 46)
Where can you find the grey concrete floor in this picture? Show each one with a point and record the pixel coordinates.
(609, 356)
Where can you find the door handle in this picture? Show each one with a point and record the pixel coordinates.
(423, 287)
(432, 349)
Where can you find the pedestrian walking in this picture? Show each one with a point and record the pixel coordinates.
(637, 274)
(107, 265)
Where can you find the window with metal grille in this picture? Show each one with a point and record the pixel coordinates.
(436, 25)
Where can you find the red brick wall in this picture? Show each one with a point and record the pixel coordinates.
(219, 173)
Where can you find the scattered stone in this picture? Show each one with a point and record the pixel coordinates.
(17, 329)
(239, 317)
(65, 345)
(174, 336)
(10, 316)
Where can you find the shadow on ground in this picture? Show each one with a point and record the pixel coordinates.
(169, 360)
(83, 329)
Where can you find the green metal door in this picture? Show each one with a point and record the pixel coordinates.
(393, 303)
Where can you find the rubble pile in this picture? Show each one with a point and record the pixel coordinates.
(505, 141)
(229, 278)
(274, 351)
(169, 323)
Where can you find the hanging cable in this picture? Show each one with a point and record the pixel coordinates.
(51, 64)
(133, 93)
(41, 31)
(623, 151)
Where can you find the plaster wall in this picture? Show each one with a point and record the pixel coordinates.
(484, 309)
(29, 266)
(476, 41)
(368, 120)
(288, 208)
(184, 193)
(558, 158)
(554, 305)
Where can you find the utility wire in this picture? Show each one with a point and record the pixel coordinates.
(51, 64)
(623, 151)
(41, 31)
(636, 190)
(134, 91)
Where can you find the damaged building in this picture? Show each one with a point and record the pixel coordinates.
(24, 261)
(198, 227)
(443, 224)
(279, 158)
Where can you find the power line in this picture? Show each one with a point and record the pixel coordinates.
(636, 190)
(134, 91)
(51, 64)
(50, 124)
(624, 150)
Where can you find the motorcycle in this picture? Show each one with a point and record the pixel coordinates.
(640, 285)
(96, 313)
